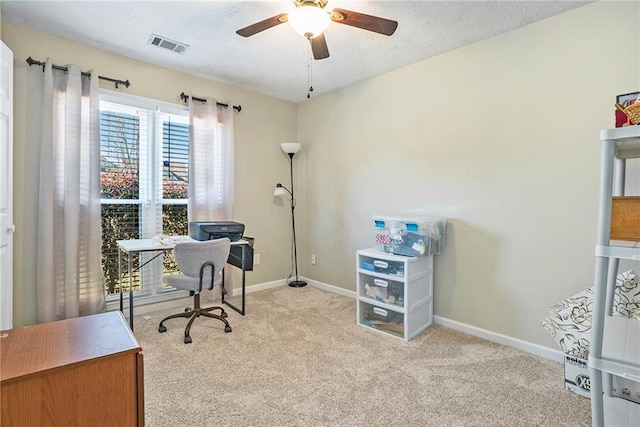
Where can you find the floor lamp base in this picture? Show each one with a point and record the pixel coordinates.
(297, 283)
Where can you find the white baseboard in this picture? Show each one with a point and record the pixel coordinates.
(331, 288)
(237, 290)
(528, 347)
(538, 350)
(314, 283)
(149, 305)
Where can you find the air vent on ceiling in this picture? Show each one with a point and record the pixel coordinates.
(166, 43)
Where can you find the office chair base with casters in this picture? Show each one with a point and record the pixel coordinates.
(198, 262)
(193, 314)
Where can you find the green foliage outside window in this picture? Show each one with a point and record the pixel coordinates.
(122, 222)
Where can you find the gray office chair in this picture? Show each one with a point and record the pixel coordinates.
(200, 263)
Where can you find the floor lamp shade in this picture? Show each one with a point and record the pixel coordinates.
(291, 148)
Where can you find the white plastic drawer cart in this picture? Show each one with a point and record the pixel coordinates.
(395, 292)
(615, 341)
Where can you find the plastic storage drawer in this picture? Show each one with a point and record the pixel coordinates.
(383, 290)
(383, 319)
(391, 268)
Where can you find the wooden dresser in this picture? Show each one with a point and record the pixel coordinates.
(86, 371)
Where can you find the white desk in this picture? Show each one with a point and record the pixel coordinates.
(241, 256)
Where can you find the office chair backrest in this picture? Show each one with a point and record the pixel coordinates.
(191, 256)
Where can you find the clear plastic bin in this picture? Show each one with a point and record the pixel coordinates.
(415, 237)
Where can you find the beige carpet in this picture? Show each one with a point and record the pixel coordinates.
(298, 358)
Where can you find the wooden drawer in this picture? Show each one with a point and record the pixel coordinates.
(625, 218)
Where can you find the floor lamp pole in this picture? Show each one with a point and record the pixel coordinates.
(294, 283)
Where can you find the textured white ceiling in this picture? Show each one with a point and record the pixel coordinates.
(275, 61)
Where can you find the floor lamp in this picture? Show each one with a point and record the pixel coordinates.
(291, 148)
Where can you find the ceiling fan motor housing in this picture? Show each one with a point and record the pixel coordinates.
(319, 3)
(310, 19)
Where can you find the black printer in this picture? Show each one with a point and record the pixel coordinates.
(210, 230)
(240, 256)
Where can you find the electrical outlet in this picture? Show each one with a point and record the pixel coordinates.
(313, 260)
(256, 259)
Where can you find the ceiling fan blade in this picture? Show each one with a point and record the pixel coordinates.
(319, 47)
(366, 22)
(263, 25)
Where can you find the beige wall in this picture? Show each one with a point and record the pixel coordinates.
(262, 125)
(501, 137)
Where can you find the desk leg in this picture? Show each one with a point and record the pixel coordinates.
(120, 280)
(243, 290)
(241, 311)
(131, 290)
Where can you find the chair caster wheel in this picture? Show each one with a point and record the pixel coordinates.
(187, 340)
(227, 329)
(224, 314)
(187, 309)
(162, 329)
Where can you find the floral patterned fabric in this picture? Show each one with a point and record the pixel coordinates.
(569, 322)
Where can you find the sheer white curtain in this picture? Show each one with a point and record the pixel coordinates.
(69, 273)
(211, 167)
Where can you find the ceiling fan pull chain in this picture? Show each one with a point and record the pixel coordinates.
(310, 75)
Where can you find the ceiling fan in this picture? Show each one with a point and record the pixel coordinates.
(309, 18)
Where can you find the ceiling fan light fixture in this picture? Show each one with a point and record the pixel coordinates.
(309, 20)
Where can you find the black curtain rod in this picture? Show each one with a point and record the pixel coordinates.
(117, 82)
(185, 98)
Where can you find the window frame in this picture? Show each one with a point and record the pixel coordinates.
(152, 289)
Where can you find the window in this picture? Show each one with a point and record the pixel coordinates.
(144, 171)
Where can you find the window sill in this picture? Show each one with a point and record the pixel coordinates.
(143, 304)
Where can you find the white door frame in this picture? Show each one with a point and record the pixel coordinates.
(6, 188)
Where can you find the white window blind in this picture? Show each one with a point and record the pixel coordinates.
(144, 179)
